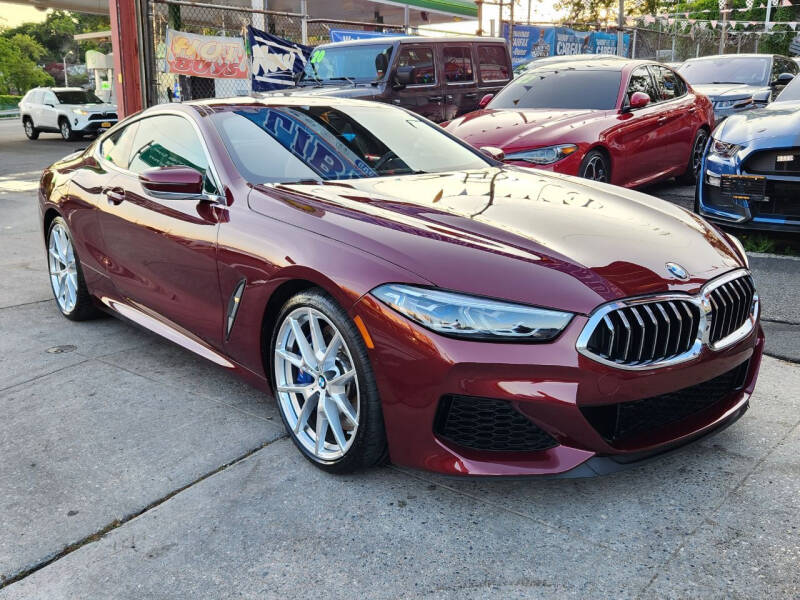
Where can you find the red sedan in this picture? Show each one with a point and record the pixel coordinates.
(626, 122)
(401, 294)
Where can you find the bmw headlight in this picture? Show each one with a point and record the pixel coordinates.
(723, 149)
(544, 156)
(472, 317)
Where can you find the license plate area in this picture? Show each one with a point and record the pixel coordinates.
(105, 124)
(744, 188)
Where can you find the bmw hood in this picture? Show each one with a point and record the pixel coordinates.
(729, 91)
(778, 122)
(514, 130)
(527, 236)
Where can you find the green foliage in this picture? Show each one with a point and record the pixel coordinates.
(55, 34)
(18, 69)
(9, 101)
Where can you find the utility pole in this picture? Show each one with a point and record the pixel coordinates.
(724, 12)
(620, 29)
(529, 11)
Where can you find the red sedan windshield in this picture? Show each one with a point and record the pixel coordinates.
(592, 89)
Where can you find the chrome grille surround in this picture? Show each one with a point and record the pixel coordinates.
(704, 312)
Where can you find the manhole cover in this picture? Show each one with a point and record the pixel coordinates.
(61, 349)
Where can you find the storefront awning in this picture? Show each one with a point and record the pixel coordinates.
(459, 8)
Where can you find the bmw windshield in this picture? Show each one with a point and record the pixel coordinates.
(348, 141)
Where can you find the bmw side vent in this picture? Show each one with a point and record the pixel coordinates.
(666, 329)
(233, 307)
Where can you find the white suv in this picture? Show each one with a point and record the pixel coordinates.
(73, 112)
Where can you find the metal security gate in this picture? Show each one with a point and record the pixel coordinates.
(211, 19)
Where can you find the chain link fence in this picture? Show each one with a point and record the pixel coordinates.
(669, 46)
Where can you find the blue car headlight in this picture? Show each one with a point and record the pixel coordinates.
(472, 317)
(544, 156)
(723, 149)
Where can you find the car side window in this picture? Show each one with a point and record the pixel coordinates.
(49, 97)
(167, 141)
(421, 58)
(458, 64)
(641, 82)
(116, 148)
(492, 63)
(670, 85)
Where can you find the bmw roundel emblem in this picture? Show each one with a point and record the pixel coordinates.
(678, 271)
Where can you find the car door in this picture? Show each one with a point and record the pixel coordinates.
(460, 80)
(636, 132)
(161, 253)
(48, 115)
(423, 94)
(676, 118)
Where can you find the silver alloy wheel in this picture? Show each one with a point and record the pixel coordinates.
(63, 268)
(596, 169)
(28, 127)
(317, 384)
(65, 130)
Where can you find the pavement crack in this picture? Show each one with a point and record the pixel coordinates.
(117, 523)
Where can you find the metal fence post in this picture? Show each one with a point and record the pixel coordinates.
(633, 43)
(304, 21)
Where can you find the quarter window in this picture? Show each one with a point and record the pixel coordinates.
(421, 59)
(642, 82)
(116, 148)
(458, 64)
(493, 63)
(670, 85)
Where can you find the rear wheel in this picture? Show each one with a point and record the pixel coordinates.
(324, 385)
(594, 166)
(66, 130)
(66, 278)
(692, 173)
(30, 131)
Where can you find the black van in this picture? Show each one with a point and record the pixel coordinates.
(437, 77)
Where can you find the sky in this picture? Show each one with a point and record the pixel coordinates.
(12, 15)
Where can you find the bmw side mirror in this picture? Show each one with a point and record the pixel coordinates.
(485, 100)
(173, 183)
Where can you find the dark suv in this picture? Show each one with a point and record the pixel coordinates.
(439, 78)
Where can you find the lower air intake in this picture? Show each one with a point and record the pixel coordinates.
(488, 424)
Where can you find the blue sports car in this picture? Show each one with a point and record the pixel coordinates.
(751, 167)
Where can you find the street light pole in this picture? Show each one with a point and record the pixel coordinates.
(620, 32)
(64, 60)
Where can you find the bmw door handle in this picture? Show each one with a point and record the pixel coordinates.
(114, 195)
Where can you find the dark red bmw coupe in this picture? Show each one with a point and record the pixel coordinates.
(403, 295)
(626, 122)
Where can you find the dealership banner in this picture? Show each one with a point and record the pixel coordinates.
(531, 42)
(275, 61)
(346, 35)
(211, 56)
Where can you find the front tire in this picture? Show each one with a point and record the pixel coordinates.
(66, 277)
(692, 173)
(324, 386)
(594, 166)
(66, 130)
(30, 131)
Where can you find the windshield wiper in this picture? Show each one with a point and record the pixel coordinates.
(347, 79)
(729, 82)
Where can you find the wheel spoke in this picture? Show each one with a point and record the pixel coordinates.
(302, 344)
(332, 415)
(322, 427)
(308, 407)
(291, 357)
(343, 378)
(345, 408)
(317, 339)
(332, 348)
(295, 389)
(54, 253)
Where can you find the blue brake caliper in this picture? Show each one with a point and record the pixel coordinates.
(303, 378)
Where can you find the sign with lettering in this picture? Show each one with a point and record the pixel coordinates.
(196, 55)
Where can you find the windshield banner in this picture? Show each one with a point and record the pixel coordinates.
(206, 55)
(346, 35)
(275, 60)
(531, 42)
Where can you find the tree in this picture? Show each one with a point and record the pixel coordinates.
(18, 69)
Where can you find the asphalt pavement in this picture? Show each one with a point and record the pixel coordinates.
(130, 468)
